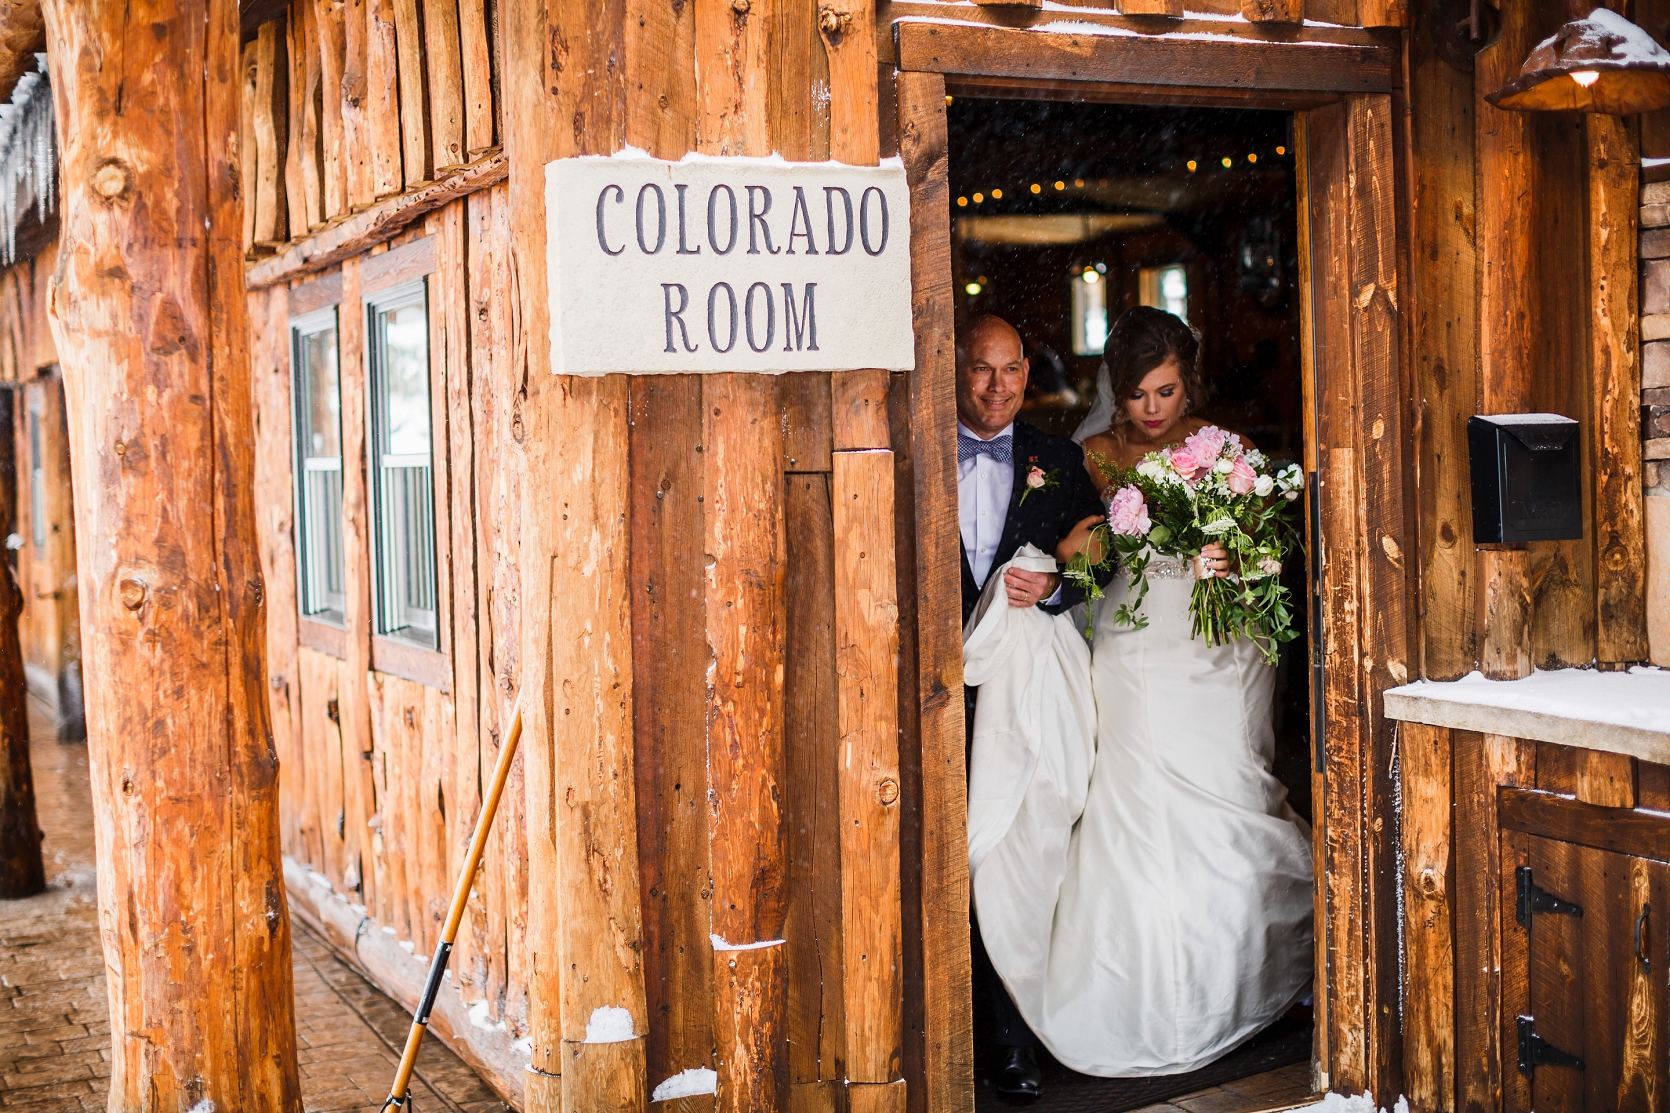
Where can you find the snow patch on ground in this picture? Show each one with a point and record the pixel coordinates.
(523, 1047)
(1356, 1103)
(481, 1018)
(609, 1024)
(690, 1083)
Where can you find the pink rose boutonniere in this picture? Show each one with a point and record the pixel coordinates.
(1037, 479)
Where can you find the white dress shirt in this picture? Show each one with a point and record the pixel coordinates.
(983, 490)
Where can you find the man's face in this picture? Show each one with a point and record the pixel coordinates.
(991, 382)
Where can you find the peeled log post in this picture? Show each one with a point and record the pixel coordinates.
(151, 325)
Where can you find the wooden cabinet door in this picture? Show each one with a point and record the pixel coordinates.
(1585, 1016)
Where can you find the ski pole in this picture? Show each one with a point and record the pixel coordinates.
(460, 897)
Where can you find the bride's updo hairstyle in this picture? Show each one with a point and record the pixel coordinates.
(1143, 338)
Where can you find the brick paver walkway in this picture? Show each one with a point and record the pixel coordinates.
(54, 1028)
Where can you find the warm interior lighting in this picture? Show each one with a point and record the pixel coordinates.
(947, 98)
(972, 288)
(1036, 188)
(1281, 150)
(1615, 67)
(962, 202)
(1192, 165)
(1091, 276)
(1227, 163)
(1078, 183)
(997, 195)
(1060, 185)
(1252, 158)
(979, 197)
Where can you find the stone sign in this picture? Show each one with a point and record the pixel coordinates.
(727, 264)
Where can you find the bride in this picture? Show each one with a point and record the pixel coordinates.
(1181, 920)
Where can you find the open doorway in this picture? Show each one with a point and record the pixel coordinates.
(1063, 216)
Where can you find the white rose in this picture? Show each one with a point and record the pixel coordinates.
(1263, 485)
(1224, 465)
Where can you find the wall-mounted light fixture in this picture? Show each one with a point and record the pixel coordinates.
(1600, 63)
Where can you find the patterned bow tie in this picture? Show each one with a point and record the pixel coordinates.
(998, 448)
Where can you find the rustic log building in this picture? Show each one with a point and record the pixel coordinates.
(727, 602)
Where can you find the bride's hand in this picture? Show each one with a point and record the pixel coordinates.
(1081, 539)
(1215, 559)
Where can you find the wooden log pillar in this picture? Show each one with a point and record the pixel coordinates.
(587, 1012)
(1507, 276)
(22, 872)
(151, 325)
(1617, 515)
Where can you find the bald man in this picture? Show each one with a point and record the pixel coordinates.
(995, 454)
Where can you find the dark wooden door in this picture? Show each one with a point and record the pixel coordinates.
(1586, 1010)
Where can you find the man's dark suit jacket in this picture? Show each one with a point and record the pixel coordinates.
(1047, 515)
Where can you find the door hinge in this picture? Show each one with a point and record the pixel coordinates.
(1534, 1051)
(1534, 898)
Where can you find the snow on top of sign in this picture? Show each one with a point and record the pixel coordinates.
(687, 1084)
(719, 944)
(1081, 27)
(775, 158)
(1527, 419)
(1639, 698)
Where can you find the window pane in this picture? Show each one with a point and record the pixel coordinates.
(37, 479)
(405, 488)
(1090, 313)
(319, 469)
(1165, 288)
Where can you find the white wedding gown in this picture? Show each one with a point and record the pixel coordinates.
(1173, 920)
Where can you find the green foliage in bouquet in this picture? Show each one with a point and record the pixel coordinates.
(1176, 502)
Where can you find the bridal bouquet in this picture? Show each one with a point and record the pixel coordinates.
(1176, 501)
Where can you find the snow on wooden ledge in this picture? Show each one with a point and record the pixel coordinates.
(1619, 712)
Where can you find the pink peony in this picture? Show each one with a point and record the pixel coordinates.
(1242, 478)
(1206, 444)
(1128, 513)
(1185, 463)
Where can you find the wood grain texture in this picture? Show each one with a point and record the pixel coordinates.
(669, 650)
(1014, 52)
(1151, 7)
(1446, 332)
(1273, 11)
(308, 91)
(732, 107)
(356, 94)
(849, 41)
(858, 402)
(382, 103)
(295, 54)
(360, 801)
(866, 656)
(805, 401)
(1482, 763)
(1426, 764)
(1617, 830)
(799, 63)
(816, 1006)
(275, 523)
(1506, 230)
(444, 70)
(376, 225)
(604, 1077)
(748, 1015)
(151, 326)
(476, 57)
(661, 83)
(416, 161)
(1615, 376)
(947, 1048)
(744, 532)
(329, 18)
(1606, 779)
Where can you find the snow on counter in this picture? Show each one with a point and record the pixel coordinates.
(1620, 712)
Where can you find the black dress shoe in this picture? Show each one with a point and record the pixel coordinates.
(1018, 1076)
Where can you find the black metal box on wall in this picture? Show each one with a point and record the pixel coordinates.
(1527, 478)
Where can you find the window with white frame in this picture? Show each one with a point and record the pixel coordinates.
(319, 465)
(1165, 288)
(1090, 311)
(403, 465)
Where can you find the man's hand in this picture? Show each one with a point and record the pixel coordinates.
(1028, 589)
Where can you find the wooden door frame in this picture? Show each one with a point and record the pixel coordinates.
(1352, 250)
